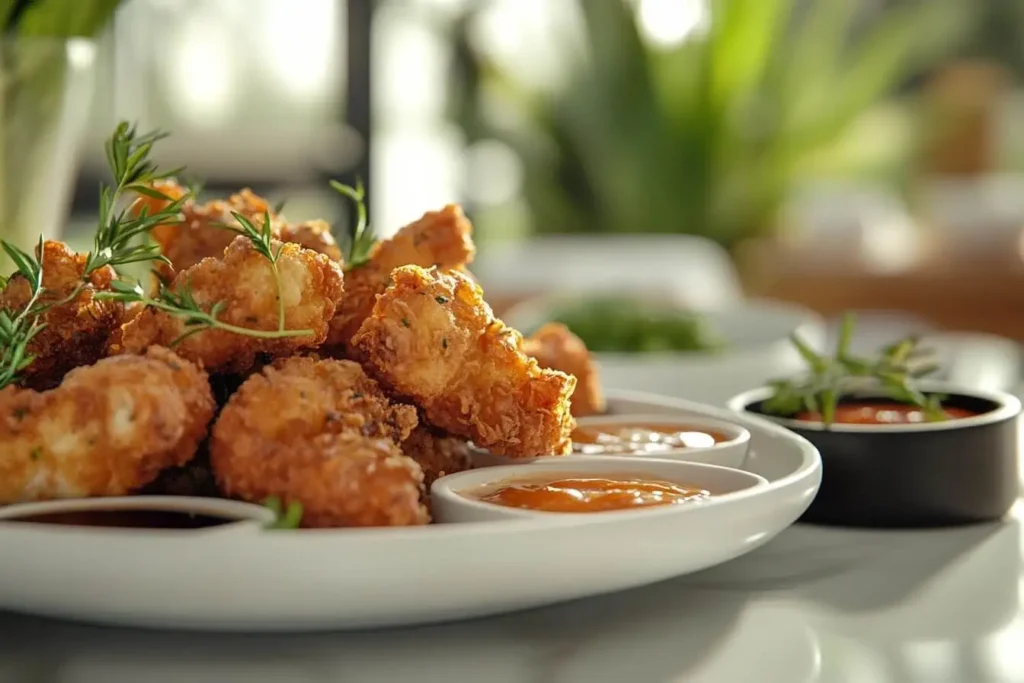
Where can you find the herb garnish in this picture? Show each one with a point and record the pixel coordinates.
(829, 379)
(181, 304)
(287, 519)
(128, 158)
(357, 245)
(18, 331)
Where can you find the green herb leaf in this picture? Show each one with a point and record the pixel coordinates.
(114, 243)
(360, 240)
(290, 518)
(828, 380)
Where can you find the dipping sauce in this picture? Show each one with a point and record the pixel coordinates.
(592, 495)
(127, 519)
(640, 439)
(882, 414)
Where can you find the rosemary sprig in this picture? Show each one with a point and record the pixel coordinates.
(115, 242)
(182, 304)
(18, 330)
(359, 242)
(289, 518)
(829, 379)
(262, 240)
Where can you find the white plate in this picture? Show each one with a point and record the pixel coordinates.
(756, 331)
(255, 580)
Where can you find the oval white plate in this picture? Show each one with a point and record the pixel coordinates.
(360, 578)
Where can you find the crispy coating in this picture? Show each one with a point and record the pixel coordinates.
(77, 330)
(439, 238)
(203, 231)
(556, 347)
(315, 235)
(322, 433)
(434, 340)
(438, 453)
(107, 430)
(243, 280)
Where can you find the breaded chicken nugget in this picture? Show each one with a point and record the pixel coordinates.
(557, 348)
(434, 340)
(319, 432)
(243, 280)
(107, 430)
(437, 453)
(315, 235)
(204, 230)
(438, 238)
(77, 330)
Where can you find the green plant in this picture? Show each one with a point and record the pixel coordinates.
(706, 137)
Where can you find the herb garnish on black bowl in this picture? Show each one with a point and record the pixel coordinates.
(898, 450)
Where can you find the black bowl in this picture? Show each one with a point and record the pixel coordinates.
(934, 474)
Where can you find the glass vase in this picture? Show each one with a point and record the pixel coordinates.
(47, 87)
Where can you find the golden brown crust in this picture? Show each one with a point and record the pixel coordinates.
(77, 330)
(244, 281)
(439, 238)
(322, 433)
(314, 235)
(204, 228)
(556, 347)
(438, 453)
(107, 430)
(433, 339)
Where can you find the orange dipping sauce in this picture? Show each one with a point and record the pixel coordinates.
(592, 495)
(640, 439)
(882, 414)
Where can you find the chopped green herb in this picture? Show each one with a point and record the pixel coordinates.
(36, 453)
(291, 518)
(405, 322)
(624, 325)
(441, 299)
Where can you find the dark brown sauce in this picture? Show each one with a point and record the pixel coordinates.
(640, 439)
(883, 414)
(126, 519)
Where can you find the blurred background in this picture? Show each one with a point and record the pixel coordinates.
(835, 154)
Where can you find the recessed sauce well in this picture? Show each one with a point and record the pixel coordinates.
(126, 519)
(589, 494)
(883, 413)
(641, 438)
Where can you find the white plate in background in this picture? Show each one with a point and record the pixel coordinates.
(690, 269)
(756, 332)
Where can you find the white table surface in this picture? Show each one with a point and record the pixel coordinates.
(815, 604)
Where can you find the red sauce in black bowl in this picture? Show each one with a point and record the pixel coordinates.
(883, 413)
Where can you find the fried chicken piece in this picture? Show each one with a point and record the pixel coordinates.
(76, 330)
(322, 433)
(107, 430)
(315, 235)
(556, 347)
(438, 238)
(204, 231)
(243, 280)
(437, 453)
(433, 339)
